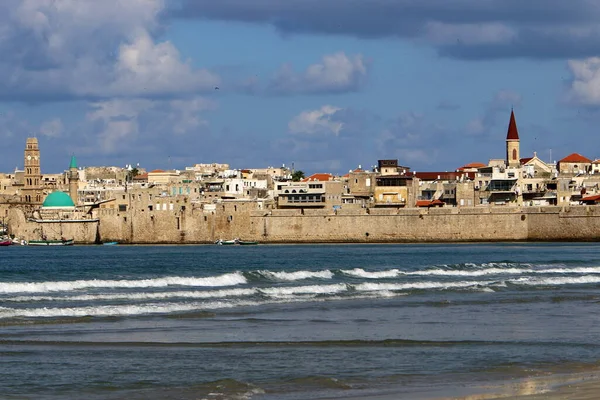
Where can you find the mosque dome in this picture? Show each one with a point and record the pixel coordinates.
(58, 200)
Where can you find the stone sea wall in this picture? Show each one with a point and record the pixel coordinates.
(581, 223)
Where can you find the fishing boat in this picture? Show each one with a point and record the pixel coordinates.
(110, 243)
(246, 242)
(5, 242)
(62, 242)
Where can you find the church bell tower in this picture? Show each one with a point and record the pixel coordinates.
(512, 143)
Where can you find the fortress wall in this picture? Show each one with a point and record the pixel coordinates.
(20, 227)
(568, 224)
(228, 221)
(389, 225)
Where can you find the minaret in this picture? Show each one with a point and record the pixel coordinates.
(73, 176)
(32, 190)
(512, 143)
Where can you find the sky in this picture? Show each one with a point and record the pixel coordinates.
(325, 86)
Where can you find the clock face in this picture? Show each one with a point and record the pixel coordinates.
(29, 157)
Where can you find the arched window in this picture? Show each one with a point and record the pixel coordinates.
(514, 157)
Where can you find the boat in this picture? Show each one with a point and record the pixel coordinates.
(246, 242)
(62, 242)
(110, 243)
(235, 241)
(222, 242)
(6, 242)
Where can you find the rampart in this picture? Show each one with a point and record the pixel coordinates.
(249, 222)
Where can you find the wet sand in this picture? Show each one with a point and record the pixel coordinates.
(570, 386)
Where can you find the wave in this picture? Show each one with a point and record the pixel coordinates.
(370, 287)
(296, 275)
(556, 281)
(119, 310)
(314, 289)
(140, 296)
(229, 279)
(361, 273)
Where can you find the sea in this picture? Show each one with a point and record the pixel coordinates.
(386, 321)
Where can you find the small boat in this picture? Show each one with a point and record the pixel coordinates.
(246, 242)
(6, 242)
(110, 243)
(62, 242)
(222, 242)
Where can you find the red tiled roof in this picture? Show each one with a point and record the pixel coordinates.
(429, 203)
(575, 157)
(513, 133)
(318, 177)
(157, 171)
(525, 160)
(595, 197)
(596, 161)
(473, 165)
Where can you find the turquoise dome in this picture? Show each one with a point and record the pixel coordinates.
(58, 199)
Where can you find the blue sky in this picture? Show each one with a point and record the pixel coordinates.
(327, 85)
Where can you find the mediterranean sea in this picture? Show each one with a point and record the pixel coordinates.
(293, 321)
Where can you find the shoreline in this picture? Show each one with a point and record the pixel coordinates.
(582, 385)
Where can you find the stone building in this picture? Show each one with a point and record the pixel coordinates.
(32, 192)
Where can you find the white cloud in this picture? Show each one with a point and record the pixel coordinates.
(335, 74)
(90, 49)
(316, 122)
(585, 87)
(119, 123)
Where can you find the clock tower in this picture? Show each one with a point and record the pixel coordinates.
(32, 179)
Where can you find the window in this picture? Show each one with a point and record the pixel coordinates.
(122, 207)
(514, 154)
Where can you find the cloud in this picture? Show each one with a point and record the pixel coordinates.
(128, 125)
(468, 29)
(72, 49)
(317, 122)
(585, 86)
(337, 73)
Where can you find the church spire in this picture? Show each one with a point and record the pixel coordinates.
(513, 133)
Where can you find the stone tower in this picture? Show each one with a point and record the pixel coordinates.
(512, 143)
(73, 176)
(32, 179)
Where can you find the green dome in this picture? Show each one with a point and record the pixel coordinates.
(58, 199)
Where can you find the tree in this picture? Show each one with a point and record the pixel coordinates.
(297, 175)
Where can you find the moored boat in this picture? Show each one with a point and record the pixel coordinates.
(235, 241)
(222, 242)
(63, 242)
(6, 242)
(246, 242)
(110, 243)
